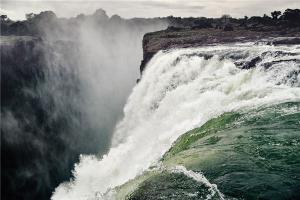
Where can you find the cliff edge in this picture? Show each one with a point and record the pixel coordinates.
(277, 30)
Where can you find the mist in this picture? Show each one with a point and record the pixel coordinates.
(66, 132)
(71, 79)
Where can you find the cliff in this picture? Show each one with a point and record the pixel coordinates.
(203, 31)
(43, 128)
(183, 38)
(33, 127)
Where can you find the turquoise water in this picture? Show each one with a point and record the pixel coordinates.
(253, 154)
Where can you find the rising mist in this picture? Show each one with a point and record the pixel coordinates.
(64, 88)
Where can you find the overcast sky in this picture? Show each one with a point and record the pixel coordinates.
(147, 8)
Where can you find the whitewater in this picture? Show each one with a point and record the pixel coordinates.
(181, 89)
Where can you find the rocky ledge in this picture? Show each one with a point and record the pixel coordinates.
(189, 37)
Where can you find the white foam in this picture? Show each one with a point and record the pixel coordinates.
(178, 91)
(199, 177)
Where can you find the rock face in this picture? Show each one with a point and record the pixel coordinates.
(51, 70)
(21, 62)
(36, 126)
(183, 38)
(36, 152)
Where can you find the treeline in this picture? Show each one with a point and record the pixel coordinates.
(39, 24)
(290, 18)
(46, 22)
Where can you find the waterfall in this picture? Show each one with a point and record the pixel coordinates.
(182, 89)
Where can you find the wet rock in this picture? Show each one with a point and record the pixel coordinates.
(228, 28)
(270, 64)
(286, 41)
(252, 63)
(185, 38)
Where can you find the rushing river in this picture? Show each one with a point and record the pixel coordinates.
(217, 122)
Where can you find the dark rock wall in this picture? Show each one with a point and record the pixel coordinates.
(185, 38)
(42, 129)
(64, 83)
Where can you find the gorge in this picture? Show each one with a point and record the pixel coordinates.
(214, 115)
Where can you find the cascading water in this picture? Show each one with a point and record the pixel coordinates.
(180, 90)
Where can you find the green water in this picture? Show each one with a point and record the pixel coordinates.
(170, 186)
(253, 154)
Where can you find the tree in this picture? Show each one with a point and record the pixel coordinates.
(226, 18)
(275, 14)
(80, 17)
(291, 17)
(3, 17)
(30, 16)
(101, 14)
(116, 18)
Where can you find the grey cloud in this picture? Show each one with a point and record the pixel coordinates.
(176, 6)
(149, 8)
